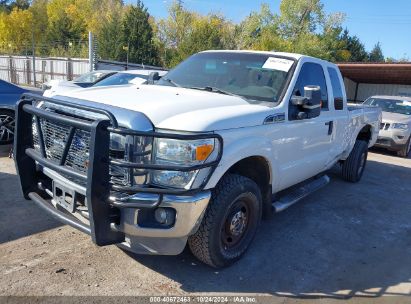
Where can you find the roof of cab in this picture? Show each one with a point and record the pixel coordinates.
(273, 53)
(291, 55)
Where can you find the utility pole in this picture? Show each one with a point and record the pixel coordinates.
(90, 51)
(128, 48)
(34, 57)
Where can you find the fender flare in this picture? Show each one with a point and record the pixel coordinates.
(239, 150)
(354, 139)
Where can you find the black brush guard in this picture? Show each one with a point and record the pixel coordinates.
(102, 213)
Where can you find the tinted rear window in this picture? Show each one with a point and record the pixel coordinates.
(337, 89)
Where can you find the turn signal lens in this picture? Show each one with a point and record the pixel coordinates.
(202, 152)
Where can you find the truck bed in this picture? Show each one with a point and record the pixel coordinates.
(355, 106)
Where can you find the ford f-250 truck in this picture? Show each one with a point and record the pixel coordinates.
(198, 156)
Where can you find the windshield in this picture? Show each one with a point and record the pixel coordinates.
(391, 105)
(91, 77)
(256, 77)
(120, 79)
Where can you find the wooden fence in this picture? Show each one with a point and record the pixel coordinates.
(19, 69)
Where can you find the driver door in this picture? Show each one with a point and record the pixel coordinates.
(307, 141)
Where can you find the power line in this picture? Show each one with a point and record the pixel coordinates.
(380, 21)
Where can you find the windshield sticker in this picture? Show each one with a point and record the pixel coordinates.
(280, 64)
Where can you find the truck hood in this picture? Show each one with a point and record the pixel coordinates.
(395, 117)
(177, 108)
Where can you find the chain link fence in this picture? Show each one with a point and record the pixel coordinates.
(34, 71)
(19, 69)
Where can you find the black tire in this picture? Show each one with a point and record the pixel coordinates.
(353, 167)
(406, 149)
(234, 198)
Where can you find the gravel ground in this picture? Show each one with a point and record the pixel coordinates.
(346, 240)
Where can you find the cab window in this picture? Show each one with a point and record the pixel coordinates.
(337, 90)
(312, 74)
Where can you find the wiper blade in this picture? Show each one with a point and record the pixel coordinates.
(217, 90)
(172, 82)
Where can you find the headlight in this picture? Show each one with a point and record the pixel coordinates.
(183, 153)
(178, 154)
(401, 126)
(188, 153)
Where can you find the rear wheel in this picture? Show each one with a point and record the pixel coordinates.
(7, 125)
(230, 222)
(353, 167)
(406, 149)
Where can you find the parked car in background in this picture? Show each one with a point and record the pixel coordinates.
(57, 86)
(127, 77)
(9, 95)
(113, 79)
(395, 129)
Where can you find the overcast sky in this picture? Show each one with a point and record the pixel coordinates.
(371, 20)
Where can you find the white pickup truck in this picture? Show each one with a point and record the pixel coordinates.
(198, 156)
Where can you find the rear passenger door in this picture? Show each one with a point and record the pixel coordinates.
(338, 99)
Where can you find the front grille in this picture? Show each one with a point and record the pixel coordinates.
(78, 155)
(55, 137)
(383, 141)
(384, 126)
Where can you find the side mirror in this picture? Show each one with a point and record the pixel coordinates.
(308, 106)
(154, 76)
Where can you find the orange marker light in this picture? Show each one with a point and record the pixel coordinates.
(202, 152)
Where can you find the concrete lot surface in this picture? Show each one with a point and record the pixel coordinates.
(346, 240)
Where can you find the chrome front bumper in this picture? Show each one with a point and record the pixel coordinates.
(163, 241)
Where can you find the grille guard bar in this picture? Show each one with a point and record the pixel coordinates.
(102, 213)
(212, 165)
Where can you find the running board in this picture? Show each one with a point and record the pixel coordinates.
(295, 195)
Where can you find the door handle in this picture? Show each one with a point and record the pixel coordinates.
(330, 125)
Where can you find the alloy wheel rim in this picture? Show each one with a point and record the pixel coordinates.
(7, 124)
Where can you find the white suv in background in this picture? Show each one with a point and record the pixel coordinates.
(395, 129)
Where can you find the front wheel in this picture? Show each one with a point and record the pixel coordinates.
(406, 149)
(353, 167)
(230, 222)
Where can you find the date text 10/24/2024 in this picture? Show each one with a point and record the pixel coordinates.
(203, 299)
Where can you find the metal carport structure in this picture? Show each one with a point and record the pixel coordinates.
(366, 79)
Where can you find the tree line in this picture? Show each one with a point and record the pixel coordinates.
(60, 28)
